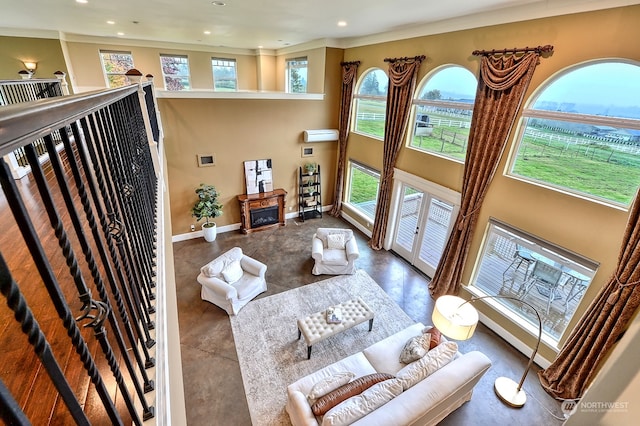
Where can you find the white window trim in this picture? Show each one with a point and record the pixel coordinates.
(365, 169)
(529, 112)
(552, 251)
(235, 69)
(288, 66)
(164, 80)
(104, 70)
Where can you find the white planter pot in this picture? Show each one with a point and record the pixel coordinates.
(210, 232)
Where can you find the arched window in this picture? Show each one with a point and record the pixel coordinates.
(370, 103)
(443, 110)
(581, 133)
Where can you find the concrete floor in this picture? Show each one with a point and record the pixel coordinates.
(213, 383)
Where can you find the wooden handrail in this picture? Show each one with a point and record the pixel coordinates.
(23, 123)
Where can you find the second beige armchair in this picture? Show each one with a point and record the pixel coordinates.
(335, 251)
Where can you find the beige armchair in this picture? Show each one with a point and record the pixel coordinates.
(231, 280)
(335, 251)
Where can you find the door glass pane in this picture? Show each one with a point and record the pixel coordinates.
(435, 234)
(409, 218)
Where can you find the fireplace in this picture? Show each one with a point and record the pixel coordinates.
(263, 217)
(261, 211)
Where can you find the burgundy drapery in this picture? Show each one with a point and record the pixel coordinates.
(602, 324)
(503, 81)
(349, 71)
(403, 75)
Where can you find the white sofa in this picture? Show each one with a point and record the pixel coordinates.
(334, 256)
(426, 403)
(228, 287)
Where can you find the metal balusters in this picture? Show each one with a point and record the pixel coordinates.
(108, 218)
(12, 414)
(108, 242)
(129, 199)
(119, 220)
(58, 300)
(93, 267)
(141, 172)
(95, 311)
(10, 411)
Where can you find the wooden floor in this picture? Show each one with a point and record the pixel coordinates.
(21, 370)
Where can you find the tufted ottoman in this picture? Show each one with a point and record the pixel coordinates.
(315, 328)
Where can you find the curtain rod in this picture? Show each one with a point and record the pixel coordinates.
(350, 63)
(406, 58)
(540, 49)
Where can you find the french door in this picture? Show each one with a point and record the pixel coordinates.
(423, 224)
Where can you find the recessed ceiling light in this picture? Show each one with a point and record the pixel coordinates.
(120, 33)
(218, 3)
(82, 1)
(260, 47)
(342, 23)
(111, 22)
(207, 32)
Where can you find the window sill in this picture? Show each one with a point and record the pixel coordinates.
(242, 94)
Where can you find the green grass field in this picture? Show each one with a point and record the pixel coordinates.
(589, 167)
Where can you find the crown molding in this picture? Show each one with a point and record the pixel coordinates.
(120, 41)
(527, 12)
(25, 32)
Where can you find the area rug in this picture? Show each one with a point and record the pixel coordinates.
(270, 355)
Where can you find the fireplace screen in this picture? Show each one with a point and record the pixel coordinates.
(264, 216)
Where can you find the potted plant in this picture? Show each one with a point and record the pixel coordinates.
(310, 168)
(207, 207)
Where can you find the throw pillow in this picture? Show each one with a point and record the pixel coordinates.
(336, 241)
(335, 397)
(436, 358)
(212, 269)
(436, 337)
(232, 272)
(359, 406)
(328, 384)
(415, 348)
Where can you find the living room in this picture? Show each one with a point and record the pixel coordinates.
(235, 129)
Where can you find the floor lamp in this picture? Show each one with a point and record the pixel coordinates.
(457, 319)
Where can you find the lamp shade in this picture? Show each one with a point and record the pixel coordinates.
(454, 317)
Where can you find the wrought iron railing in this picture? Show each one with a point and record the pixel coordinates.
(99, 199)
(18, 91)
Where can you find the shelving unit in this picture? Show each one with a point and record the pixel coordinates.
(309, 195)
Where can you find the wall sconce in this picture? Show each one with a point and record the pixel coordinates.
(31, 66)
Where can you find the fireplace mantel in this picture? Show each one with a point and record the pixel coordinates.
(256, 203)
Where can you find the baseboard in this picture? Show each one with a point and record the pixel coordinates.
(233, 227)
(356, 224)
(513, 341)
(199, 234)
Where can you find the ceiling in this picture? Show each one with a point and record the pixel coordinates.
(270, 24)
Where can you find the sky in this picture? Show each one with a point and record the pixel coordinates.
(616, 83)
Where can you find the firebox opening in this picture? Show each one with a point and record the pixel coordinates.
(264, 216)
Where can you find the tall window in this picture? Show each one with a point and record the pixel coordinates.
(362, 192)
(115, 65)
(581, 133)
(370, 103)
(297, 75)
(443, 112)
(521, 266)
(175, 70)
(225, 78)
